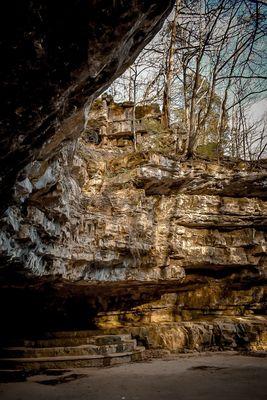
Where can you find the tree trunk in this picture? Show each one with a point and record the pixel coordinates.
(134, 110)
(166, 102)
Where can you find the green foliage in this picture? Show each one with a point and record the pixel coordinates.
(209, 150)
(153, 126)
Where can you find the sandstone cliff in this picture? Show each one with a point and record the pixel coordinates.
(118, 238)
(95, 234)
(56, 57)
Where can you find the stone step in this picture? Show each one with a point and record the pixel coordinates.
(85, 334)
(52, 335)
(91, 349)
(65, 362)
(70, 341)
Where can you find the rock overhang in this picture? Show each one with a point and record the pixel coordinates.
(76, 241)
(57, 56)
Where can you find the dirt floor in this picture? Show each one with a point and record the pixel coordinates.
(209, 377)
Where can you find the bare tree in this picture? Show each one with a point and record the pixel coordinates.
(169, 68)
(203, 68)
(217, 41)
(129, 88)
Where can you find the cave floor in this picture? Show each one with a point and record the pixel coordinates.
(217, 376)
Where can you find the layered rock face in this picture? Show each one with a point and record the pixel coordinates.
(94, 233)
(57, 57)
(194, 228)
(130, 240)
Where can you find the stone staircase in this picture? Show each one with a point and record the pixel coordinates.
(62, 350)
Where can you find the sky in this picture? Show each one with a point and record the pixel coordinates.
(259, 109)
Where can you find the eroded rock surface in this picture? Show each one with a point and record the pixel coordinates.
(108, 236)
(57, 56)
(93, 233)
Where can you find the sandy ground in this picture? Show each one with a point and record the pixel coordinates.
(209, 377)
